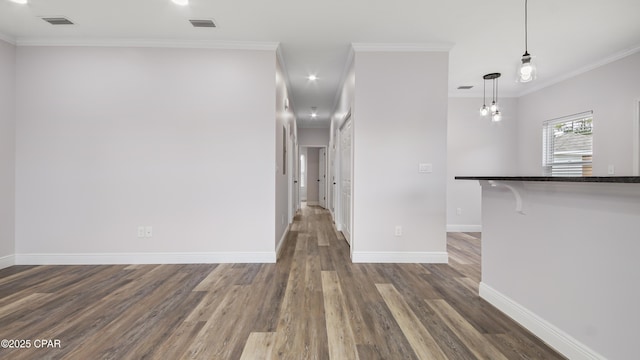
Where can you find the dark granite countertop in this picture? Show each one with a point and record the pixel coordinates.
(576, 179)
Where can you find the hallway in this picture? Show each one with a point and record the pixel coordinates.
(389, 311)
(312, 304)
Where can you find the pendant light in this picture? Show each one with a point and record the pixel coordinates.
(493, 109)
(526, 70)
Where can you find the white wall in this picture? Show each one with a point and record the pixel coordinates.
(7, 152)
(284, 120)
(112, 138)
(611, 91)
(400, 121)
(313, 137)
(476, 146)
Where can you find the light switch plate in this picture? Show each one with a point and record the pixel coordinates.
(425, 168)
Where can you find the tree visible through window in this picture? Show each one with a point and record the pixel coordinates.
(567, 145)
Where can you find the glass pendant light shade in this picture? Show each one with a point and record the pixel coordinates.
(484, 110)
(493, 107)
(497, 116)
(527, 69)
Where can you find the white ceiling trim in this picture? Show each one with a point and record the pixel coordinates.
(188, 44)
(406, 47)
(597, 64)
(8, 39)
(287, 82)
(544, 84)
(343, 78)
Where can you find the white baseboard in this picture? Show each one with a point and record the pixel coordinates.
(463, 228)
(282, 240)
(400, 257)
(549, 333)
(146, 258)
(7, 261)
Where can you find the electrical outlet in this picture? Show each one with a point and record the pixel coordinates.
(398, 230)
(611, 170)
(459, 211)
(148, 231)
(140, 231)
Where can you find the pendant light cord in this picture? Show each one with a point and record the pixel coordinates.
(484, 92)
(493, 91)
(526, 26)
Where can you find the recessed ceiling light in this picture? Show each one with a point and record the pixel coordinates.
(181, 2)
(19, 1)
(312, 77)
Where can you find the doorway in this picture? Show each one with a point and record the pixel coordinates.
(313, 176)
(346, 156)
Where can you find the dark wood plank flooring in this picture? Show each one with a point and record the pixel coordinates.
(313, 304)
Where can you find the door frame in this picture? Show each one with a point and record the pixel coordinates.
(338, 175)
(321, 147)
(636, 139)
(323, 165)
(293, 172)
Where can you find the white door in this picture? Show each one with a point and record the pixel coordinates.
(302, 182)
(322, 178)
(332, 181)
(345, 179)
(293, 178)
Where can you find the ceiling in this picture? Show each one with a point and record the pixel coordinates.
(565, 37)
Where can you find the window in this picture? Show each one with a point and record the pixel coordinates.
(567, 145)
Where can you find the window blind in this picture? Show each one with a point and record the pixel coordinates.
(567, 145)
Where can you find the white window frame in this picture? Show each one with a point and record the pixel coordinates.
(554, 167)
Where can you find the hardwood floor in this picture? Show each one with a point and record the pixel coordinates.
(312, 304)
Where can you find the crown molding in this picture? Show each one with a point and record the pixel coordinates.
(7, 38)
(580, 71)
(453, 95)
(343, 78)
(285, 73)
(184, 44)
(401, 47)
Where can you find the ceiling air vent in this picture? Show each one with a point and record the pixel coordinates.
(57, 20)
(202, 23)
(465, 87)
